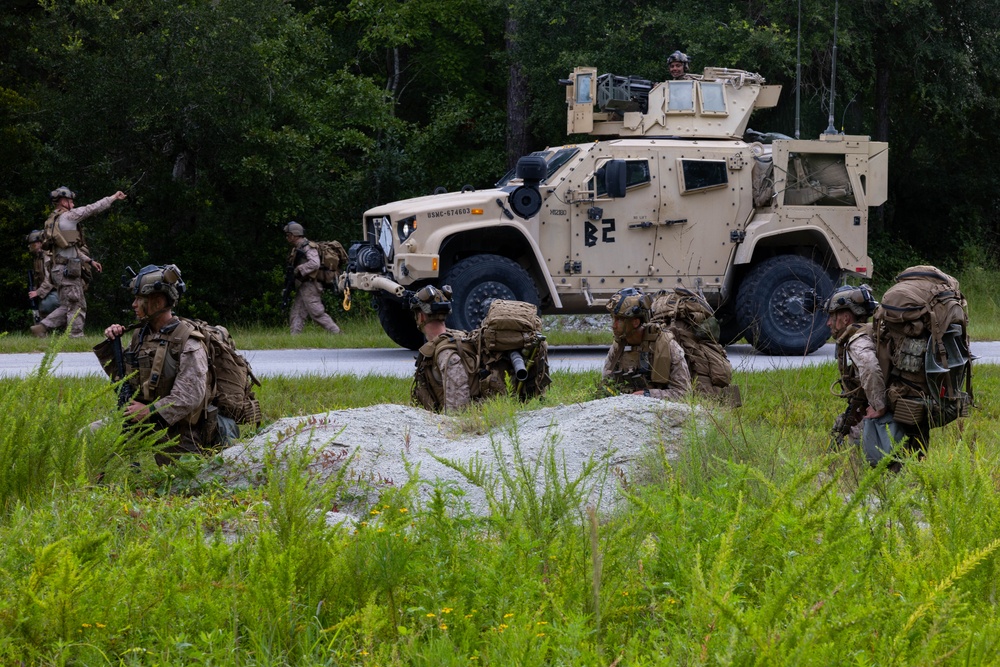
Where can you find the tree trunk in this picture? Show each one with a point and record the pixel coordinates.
(877, 222)
(517, 99)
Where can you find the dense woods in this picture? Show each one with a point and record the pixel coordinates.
(224, 119)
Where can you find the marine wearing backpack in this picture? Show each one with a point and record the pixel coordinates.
(691, 321)
(921, 331)
(307, 271)
(185, 375)
(455, 368)
(644, 355)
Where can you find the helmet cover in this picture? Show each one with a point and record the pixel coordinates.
(858, 300)
(629, 302)
(432, 301)
(153, 279)
(295, 229)
(679, 57)
(61, 192)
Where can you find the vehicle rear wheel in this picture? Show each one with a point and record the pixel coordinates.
(774, 305)
(398, 323)
(476, 280)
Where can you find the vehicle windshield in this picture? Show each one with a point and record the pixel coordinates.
(554, 159)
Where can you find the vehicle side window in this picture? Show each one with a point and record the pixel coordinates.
(636, 173)
(697, 175)
(818, 180)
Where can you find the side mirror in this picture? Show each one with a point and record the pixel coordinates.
(614, 178)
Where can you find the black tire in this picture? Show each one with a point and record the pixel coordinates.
(478, 279)
(398, 323)
(773, 305)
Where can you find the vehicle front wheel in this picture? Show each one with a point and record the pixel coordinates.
(398, 323)
(774, 305)
(477, 280)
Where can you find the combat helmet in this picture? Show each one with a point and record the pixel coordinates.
(36, 236)
(295, 229)
(679, 57)
(60, 192)
(630, 302)
(164, 279)
(435, 303)
(858, 300)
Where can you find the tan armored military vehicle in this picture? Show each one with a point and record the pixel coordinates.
(675, 192)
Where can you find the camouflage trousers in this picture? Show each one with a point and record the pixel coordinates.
(72, 304)
(308, 304)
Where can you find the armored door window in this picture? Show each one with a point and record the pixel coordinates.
(818, 180)
(713, 98)
(681, 98)
(636, 174)
(584, 89)
(699, 175)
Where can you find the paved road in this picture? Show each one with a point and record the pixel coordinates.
(398, 362)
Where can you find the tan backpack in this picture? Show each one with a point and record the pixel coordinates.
(922, 340)
(232, 380)
(692, 322)
(512, 349)
(332, 256)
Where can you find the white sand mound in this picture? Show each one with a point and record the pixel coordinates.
(377, 443)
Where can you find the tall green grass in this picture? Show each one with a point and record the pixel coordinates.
(756, 545)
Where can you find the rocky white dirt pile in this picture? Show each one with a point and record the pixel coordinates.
(377, 443)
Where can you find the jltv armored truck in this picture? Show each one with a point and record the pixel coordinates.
(675, 191)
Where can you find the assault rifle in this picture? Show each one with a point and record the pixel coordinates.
(852, 415)
(34, 300)
(286, 293)
(125, 390)
(622, 382)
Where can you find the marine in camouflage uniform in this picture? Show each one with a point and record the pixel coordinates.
(303, 260)
(441, 381)
(41, 267)
(861, 381)
(644, 358)
(173, 392)
(70, 260)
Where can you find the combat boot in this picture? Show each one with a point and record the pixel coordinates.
(40, 330)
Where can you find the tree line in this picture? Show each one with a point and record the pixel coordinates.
(222, 120)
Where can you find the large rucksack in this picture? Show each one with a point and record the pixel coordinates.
(922, 340)
(513, 350)
(693, 324)
(231, 380)
(332, 256)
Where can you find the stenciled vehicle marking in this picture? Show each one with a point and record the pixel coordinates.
(449, 213)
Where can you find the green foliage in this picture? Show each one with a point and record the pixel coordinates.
(754, 545)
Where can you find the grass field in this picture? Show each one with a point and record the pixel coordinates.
(758, 546)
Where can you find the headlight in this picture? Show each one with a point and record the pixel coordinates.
(405, 227)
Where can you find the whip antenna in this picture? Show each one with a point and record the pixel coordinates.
(833, 69)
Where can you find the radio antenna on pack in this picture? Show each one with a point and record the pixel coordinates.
(833, 69)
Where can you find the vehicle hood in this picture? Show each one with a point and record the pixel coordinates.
(442, 205)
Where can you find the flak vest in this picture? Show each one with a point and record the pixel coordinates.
(156, 357)
(850, 381)
(650, 358)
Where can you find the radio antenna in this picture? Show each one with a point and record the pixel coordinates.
(798, 74)
(833, 69)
